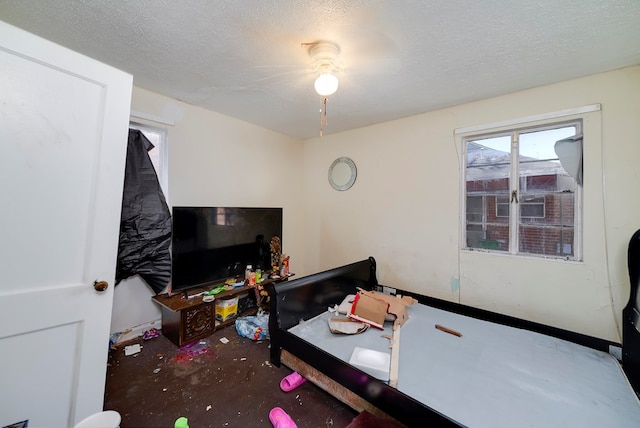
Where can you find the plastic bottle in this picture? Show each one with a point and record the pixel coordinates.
(247, 273)
(258, 275)
(252, 278)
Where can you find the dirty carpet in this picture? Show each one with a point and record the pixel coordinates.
(212, 384)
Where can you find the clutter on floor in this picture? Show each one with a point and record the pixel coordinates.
(254, 327)
(291, 382)
(211, 383)
(281, 419)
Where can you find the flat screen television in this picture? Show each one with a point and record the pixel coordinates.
(213, 244)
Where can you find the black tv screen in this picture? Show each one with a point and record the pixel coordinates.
(212, 244)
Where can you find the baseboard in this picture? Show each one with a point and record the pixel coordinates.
(133, 332)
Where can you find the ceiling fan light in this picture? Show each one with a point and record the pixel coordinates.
(326, 84)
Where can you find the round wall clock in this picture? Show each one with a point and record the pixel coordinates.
(342, 174)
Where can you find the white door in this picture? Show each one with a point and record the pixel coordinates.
(63, 137)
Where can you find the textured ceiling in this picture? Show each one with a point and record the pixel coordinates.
(244, 58)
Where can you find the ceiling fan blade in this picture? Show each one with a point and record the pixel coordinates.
(370, 52)
(283, 75)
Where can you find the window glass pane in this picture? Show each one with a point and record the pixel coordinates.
(486, 158)
(475, 234)
(539, 144)
(487, 186)
(552, 233)
(532, 207)
(488, 165)
(546, 240)
(496, 237)
(483, 227)
(489, 237)
(564, 205)
(545, 219)
(538, 162)
(502, 207)
(475, 209)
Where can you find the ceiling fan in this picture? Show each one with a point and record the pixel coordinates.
(325, 64)
(368, 54)
(324, 58)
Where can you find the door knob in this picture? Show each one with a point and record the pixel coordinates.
(100, 285)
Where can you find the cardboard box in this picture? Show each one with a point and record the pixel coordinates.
(397, 304)
(372, 308)
(226, 309)
(369, 310)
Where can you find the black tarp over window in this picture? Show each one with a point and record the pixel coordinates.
(145, 223)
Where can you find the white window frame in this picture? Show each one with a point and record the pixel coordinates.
(548, 120)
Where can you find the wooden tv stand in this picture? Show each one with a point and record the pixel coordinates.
(185, 320)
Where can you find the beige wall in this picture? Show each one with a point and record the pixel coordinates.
(404, 208)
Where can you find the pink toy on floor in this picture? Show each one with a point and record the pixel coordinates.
(292, 381)
(281, 419)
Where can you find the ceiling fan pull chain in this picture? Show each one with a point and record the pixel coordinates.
(323, 115)
(325, 111)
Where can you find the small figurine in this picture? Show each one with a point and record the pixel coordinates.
(276, 252)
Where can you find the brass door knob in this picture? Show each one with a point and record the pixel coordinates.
(100, 285)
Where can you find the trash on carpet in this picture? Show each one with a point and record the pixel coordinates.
(132, 349)
(191, 350)
(150, 334)
(254, 327)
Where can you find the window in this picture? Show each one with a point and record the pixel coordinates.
(519, 199)
(158, 155)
